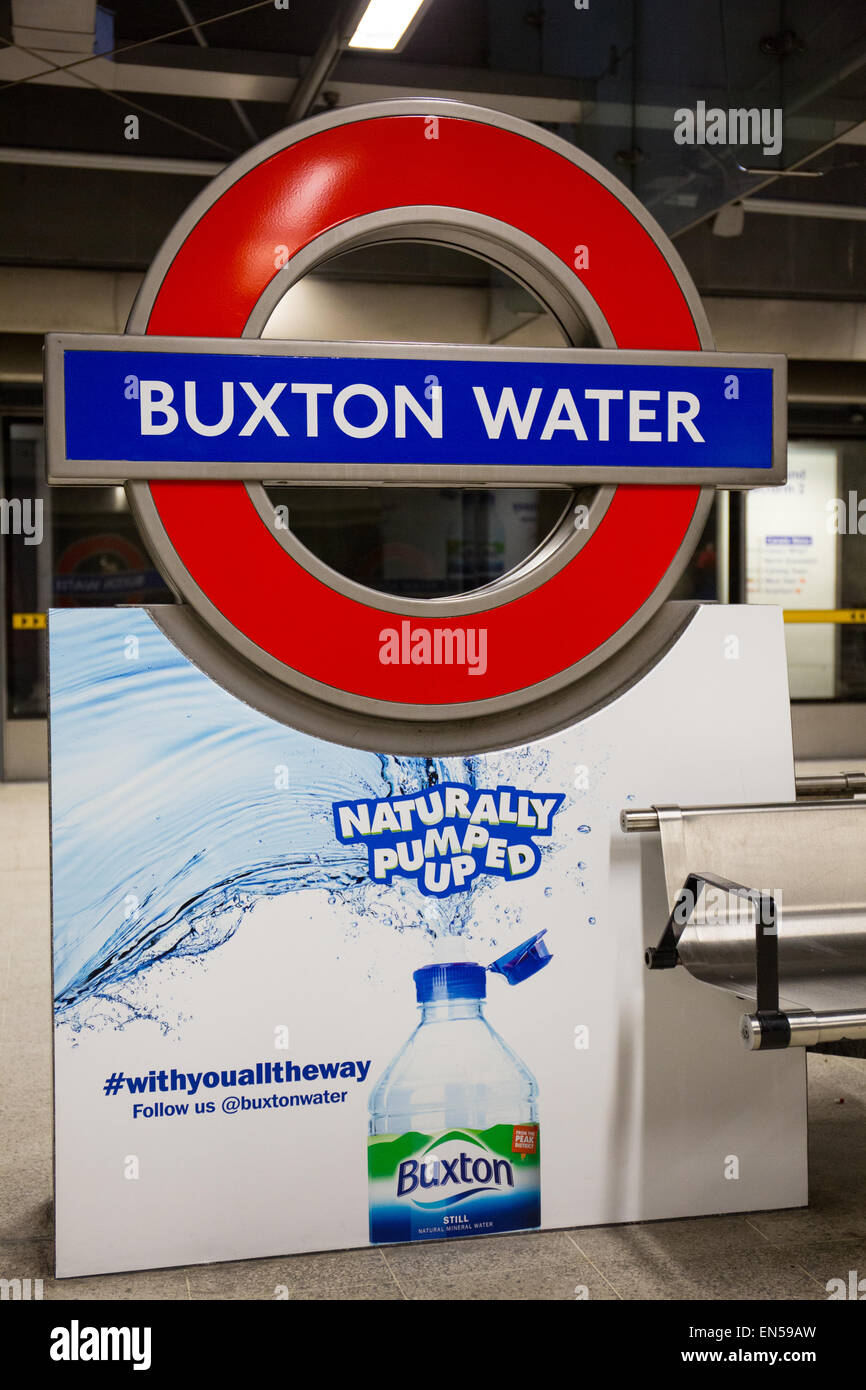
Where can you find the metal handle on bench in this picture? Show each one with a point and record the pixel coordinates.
(838, 786)
(806, 1028)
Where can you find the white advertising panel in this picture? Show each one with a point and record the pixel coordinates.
(310, 997)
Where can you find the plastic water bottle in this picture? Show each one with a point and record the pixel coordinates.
(454, 1136)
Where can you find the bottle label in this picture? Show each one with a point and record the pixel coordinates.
(458, 1182)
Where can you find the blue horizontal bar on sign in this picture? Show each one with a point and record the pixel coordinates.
(240, 414)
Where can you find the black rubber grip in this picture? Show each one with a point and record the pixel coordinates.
(775, 1030)
(658, 958)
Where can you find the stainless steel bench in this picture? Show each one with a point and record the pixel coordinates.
(769, 902)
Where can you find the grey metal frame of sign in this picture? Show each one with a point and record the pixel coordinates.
(95, 471)
(235, 662)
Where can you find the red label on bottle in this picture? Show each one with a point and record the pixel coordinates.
(524, 1140)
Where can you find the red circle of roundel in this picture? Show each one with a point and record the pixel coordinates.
(219, 274)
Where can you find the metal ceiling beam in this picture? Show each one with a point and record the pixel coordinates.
(855, 136)
(119, 163)
(325, 59)
(68, 25)
(790, 207)
(200, 38)
(217, 75)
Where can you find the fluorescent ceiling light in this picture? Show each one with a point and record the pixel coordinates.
(384, 23)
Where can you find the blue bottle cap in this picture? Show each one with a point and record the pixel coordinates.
(524, 960)
(456, 980)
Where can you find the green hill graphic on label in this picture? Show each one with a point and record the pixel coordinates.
(386, 1152)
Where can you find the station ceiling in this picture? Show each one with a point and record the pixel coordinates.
(209, 78)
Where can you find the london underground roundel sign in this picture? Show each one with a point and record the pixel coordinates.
(196, 411)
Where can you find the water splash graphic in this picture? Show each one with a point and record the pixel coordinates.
(148, 865)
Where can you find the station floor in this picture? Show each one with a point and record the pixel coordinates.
(766, 1255)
